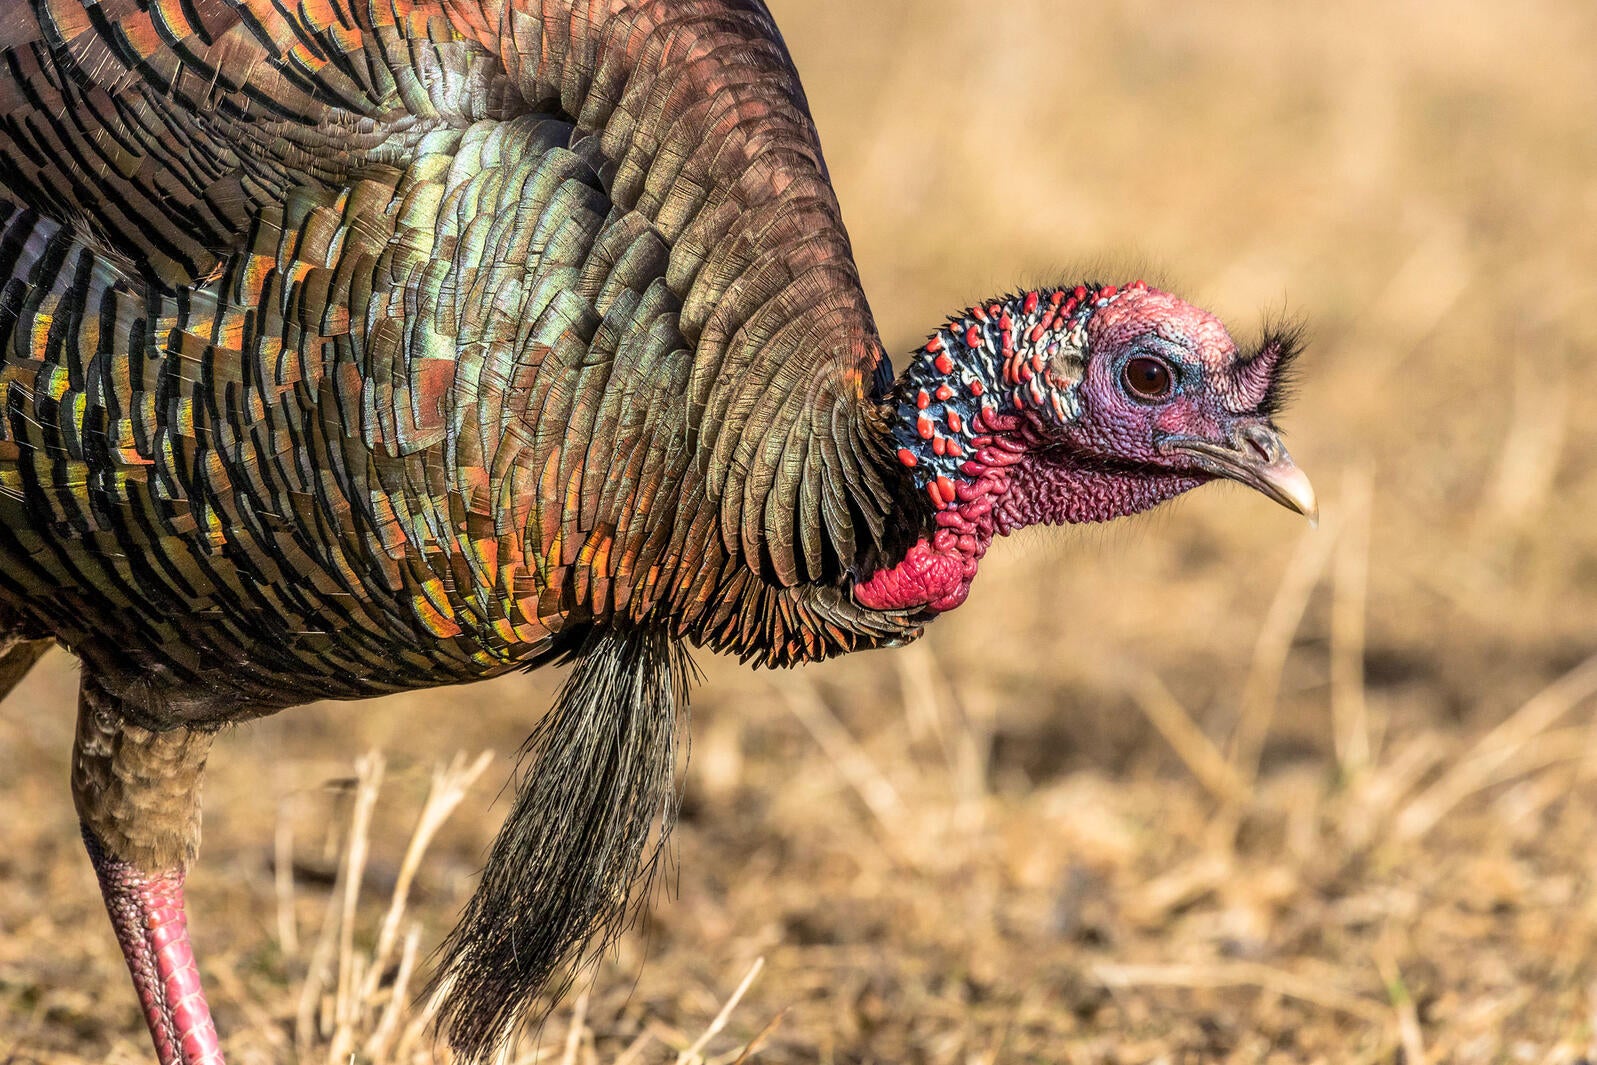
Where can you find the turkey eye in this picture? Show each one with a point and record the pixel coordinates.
(1147, 378)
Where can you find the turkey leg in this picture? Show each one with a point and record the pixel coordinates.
(147, 912)
(137, 799)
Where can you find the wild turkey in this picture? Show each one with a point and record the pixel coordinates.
(356, 347)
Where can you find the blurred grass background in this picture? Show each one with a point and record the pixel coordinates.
(1199, 786)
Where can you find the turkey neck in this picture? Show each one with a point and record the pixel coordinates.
(968, 422)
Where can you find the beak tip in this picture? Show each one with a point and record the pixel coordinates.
(1292, 488)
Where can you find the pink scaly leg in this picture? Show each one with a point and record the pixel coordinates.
(138, 797)
(147, 912)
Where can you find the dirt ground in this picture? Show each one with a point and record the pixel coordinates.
(1203, 786)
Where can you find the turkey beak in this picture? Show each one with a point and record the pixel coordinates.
(1254, 456)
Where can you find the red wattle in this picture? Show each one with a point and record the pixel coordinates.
(936, 572)
(936, 580)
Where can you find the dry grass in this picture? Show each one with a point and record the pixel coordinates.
(1201, 787)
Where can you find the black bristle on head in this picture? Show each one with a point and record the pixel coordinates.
(1280, 343)
(563, 879)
